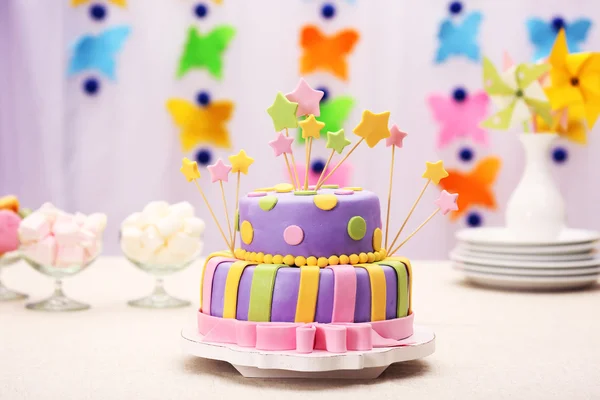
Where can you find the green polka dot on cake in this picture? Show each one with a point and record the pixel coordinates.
(267, 202)
(305, 192)
(236, 220)
(357, 228)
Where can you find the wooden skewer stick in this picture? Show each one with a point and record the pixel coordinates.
(415, 231)
(307, 169)
(297, 184)
(226, 213)
(237, 201)
(412, 209)
(287, 162)
(213, 215)
(389, 202)
(340, 163)
(325, 168)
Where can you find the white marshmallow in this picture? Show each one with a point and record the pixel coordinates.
(183, 244)
(50, 211)
(69, 255)
(154, 211)
(33, 228)
(95, 222)
(164, 257)
(92, 251)
(151, 239)
(168, 226)
(87, 238)
(42, 252)
(80, 218)
(194, 226)
(134, 219)
(182, 210)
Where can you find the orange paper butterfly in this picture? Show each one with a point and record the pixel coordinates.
(323, 53)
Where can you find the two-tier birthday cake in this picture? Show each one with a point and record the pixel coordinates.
(311, 271)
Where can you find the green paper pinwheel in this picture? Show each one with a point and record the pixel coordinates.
(334, 113)
(205, 51)
(517, 93)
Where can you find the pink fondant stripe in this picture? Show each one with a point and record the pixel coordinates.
(209, 274)
(344, 293)
(304, 338)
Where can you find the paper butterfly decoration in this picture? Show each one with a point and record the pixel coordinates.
(342, 176)
(334, 113)
(542, 34)
(517, 93)
(574, 82)
(326, 53)
(198, 124)
(98, 52)
(205, 51)
(474, 186)
(460, 119)
(459, 39)
(120, 3)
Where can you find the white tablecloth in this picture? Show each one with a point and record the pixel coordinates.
(490, 345)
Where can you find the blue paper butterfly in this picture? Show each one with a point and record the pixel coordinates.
(98, 52)
(542, 34)
(459, 39)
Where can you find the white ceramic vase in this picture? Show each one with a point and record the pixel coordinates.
(536, 209)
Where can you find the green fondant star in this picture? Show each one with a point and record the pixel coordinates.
(205, 51)
(334, 113)
(337, 141)
(283, 113)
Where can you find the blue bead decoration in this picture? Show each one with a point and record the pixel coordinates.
(97, 12)
(328, 11)
(474, 219)
(201, 10)
(459, 94)
(203, 157)
(325, 93)
(317, 166)
(91, 86)
(465, 154)
(560, 155)
(558, 23)
(203, 99)
(455, 7)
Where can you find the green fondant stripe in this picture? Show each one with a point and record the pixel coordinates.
(403, 288)
(261, 292)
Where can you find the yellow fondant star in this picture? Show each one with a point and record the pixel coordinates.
(201, 124)
(189, 169)
(240, 162)
(120, 3)
(435, 171)
(311, 127)
(373, 127)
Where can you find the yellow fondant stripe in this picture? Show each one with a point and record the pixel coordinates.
(307, 294)
(406, 262)
(378, 291)
(231, 288)
(211, 255)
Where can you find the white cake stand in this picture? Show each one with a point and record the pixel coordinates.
(252, 363)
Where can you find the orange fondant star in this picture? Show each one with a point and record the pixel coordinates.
(201, 124)
(475, 187)
(326, 53)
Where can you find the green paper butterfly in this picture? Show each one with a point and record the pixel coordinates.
(517, 94)
(205, 51)
(334, 113)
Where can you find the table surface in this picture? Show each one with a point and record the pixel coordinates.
(490, 344)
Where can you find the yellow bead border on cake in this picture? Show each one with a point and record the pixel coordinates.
(300, 261)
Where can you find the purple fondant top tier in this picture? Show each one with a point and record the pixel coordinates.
(325, 232)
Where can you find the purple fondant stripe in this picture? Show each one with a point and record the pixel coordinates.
(391, 290)
(285, 295)
(217, 298)
(362, 308)
(243, 299)
(325, 297)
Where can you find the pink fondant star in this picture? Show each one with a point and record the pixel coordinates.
(396, 137)
(460, 119)
(307, 98)
(219, 171)
(282, 144)
(447, 202)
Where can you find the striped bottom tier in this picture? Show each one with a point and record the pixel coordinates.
(240, 290)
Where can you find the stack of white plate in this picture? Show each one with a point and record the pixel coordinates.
(493, 257)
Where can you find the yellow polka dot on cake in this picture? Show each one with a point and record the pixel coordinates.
(247, 232)
(325, 202)
(355, 188)
(284, 187)
(377, 239)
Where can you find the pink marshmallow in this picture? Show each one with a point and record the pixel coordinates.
(42, 252)
(9, 231)
(69, 255)
(66, 232)
(95, 222)
(92, 251)
(33, 228)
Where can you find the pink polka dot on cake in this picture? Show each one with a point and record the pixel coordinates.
(344, 192)
(257, 194)
(293, 235)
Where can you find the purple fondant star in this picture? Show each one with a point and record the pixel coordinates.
(447, 202)
(308, 99)
(282, 144)
(219, 171)
(396, 137)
